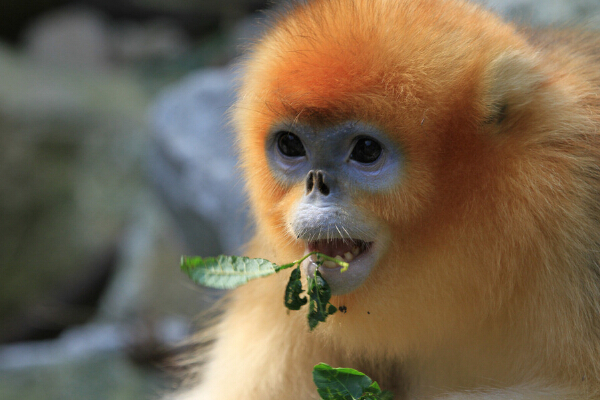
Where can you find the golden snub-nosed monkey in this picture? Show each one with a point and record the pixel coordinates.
(454, 160)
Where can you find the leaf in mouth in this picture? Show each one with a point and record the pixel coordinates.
(228, 272)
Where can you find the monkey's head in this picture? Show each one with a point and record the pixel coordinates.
(418, 140)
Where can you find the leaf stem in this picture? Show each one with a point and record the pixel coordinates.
(343, 264)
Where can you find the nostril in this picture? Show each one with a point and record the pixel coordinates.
(321, 185)
(316, 179)
(310, 182)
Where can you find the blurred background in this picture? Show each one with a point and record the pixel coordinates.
(115, 159)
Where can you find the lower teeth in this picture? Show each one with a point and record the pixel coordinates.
(347, 257)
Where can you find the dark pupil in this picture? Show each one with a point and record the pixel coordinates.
(366, 151)
(290, 145)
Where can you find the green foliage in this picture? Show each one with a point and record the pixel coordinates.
(226, 272)
(319, 293)
(293, 301)
(319, 307)
(346, 384)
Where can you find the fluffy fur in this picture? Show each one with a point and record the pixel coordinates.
(489, 287)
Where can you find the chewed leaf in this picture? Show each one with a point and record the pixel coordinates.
(346, 384)
(226, 272)
(319, 307)
(293, 290)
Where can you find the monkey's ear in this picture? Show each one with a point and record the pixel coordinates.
(511, 81)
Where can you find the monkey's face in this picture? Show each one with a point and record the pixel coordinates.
(333, 166)
(384, 143)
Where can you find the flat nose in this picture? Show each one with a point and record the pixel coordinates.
(316, 180)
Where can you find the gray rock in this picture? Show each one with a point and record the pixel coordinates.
(193, 163)
(546, 12)
(75, 37)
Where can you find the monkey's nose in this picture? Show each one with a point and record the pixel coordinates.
(315, 180)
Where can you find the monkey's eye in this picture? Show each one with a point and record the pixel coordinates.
(290, 145)
(366, 150)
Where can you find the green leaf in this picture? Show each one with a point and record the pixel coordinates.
(226, 272)
(319, 307)
(346, 384)
(292, 299)
(373, 392)
(339, 383)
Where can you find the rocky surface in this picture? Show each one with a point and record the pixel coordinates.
(84, 238)
(193, 162)
(545, 12)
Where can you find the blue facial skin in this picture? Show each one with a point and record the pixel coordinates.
(325, 161)
(329, 150)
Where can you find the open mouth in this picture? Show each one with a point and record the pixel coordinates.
(346, 250)
(359, 254)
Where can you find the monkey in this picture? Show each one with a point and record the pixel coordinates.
(453, 159)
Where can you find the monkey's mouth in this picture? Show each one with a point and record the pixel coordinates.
(359, 254)
(341, 249)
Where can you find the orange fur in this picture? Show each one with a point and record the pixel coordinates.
(489, 287)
